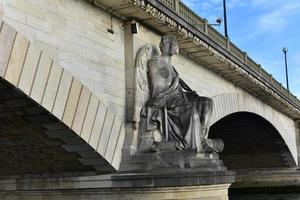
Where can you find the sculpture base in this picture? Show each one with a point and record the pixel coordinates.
(172, 161)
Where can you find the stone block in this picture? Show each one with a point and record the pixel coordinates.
(29, 69)
(54, 126)
(7, 37)
(89, 154)
(76, 147)
(50, 39)
(62, 94)
(92, 161)
(26, 30)
(14, 14)
(98, 125)
(73, 140)
(59, 134)
(73, 48)
(98, 38)
(90, 118)
(106, 131)
(81, 110)
(16, 60)
(117, 157)
(113, 139)
(75, 28)
(90, 54)
(52, 86)
(37, 119)
(37, 23)
(41, 77)
(72, 102)
(71, 15)
(29, 7)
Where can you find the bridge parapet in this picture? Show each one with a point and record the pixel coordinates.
(207, 46)
(202, 25)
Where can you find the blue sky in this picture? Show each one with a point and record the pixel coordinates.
(261, 28)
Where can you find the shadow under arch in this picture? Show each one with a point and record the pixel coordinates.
(251, 142)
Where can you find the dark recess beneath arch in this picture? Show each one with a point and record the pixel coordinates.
(251, 142)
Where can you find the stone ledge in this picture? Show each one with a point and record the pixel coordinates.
(265, 178)
(130, 180)
(211, 192)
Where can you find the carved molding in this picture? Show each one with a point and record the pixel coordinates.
(184, 33)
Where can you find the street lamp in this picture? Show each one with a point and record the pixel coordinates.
(225, 18)
(285, 50)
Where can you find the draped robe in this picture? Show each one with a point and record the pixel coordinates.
(179, 114)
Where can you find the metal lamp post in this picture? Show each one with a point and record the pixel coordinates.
(285, 50)
(225, 18)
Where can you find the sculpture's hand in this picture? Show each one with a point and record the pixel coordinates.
(185, 86)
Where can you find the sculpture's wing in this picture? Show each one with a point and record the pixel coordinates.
(142, 139)
(142, 87)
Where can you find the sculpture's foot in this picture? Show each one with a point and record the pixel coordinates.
(213, 145)
(166, 146)
(147, 143)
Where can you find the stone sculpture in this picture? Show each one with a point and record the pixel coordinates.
(173, 117)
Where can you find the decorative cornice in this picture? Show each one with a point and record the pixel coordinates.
(174, 26)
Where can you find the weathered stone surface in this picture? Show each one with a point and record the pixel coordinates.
(62, 94)
(90, 118)
(96, 56)
(172, 161)
(130, 186)
(29, 69)
(52, 86)
(72, 102)
(34, 68)
(16, 60)
(81, 110)
(98, 125)
(70, 19)
(7, 37)
(25, 144)
(40, 80)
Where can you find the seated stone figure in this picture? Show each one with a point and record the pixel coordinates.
(174, 111)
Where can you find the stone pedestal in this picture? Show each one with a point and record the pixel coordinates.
(152, 176)
(211, 192)
(174, 161)
(141, 186)
(174, 175)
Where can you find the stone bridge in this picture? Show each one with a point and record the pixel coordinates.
(67, 89)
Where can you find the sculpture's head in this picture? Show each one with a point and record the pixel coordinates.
(168, 45)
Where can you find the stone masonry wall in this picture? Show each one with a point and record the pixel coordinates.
(80, 31)
(96, 56)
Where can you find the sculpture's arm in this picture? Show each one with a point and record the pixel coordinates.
(182, 83)
(185, 86)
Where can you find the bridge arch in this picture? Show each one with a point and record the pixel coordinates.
(228, 105)
(57, 113)
(251, 142)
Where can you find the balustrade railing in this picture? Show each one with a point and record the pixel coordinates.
(202, 25)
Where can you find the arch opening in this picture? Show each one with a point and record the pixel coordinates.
(36, 143)
(251, 142)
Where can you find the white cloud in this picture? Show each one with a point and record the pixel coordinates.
(215, 4)
(262, 27)
(274, 20)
